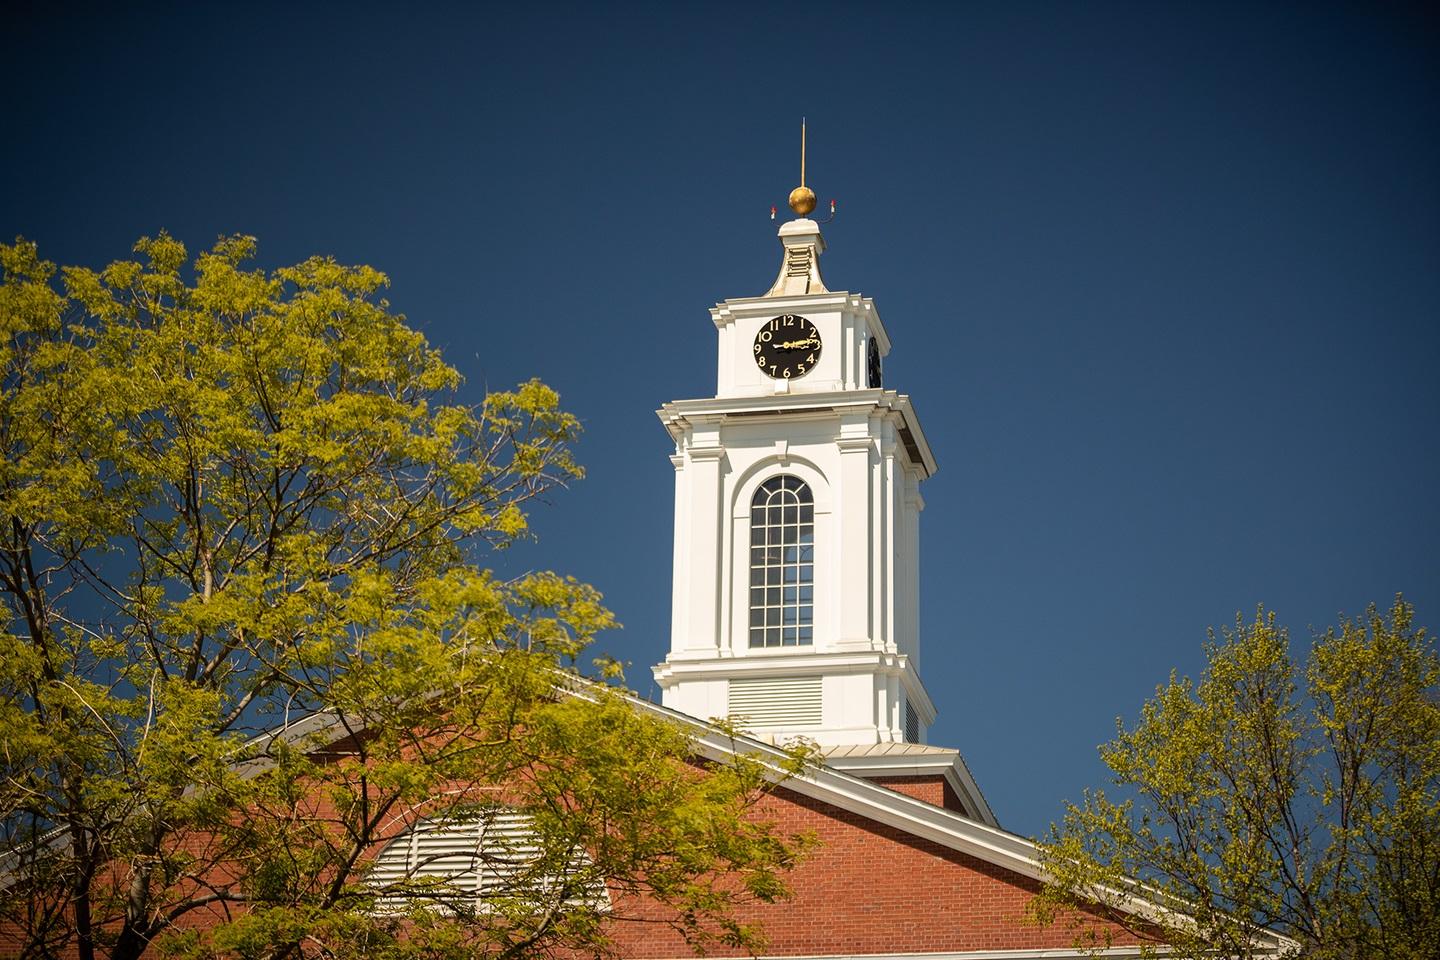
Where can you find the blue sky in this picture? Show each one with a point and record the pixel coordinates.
(1162, 279)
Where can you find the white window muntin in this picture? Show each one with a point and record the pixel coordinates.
(782, 563)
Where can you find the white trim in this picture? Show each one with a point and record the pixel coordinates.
(952, 768)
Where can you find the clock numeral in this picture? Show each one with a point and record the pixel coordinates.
(777, 351)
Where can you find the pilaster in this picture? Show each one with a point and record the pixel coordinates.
(705, 573)
(856, 528)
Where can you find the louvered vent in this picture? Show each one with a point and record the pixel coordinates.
(775, 702)
(797, 262)
(470, 861)
(912, 724)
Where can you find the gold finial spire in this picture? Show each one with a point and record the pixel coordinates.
(802, 198)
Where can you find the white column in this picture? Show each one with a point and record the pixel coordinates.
(707, 519)
(725, 355)
(679, 571)
(855, 521)
(913, 504)
(886, 571)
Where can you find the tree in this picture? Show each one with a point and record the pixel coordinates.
(248, 641)
(1304, 799)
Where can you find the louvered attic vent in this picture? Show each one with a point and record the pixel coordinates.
(470, 862)
(797, 262)
(775, 702)
(912, 724)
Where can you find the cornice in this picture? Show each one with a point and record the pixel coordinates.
(748, 308)
(680, 415)
(785, 664)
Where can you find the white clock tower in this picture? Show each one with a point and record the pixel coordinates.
(797, 507)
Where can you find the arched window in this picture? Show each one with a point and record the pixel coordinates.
(466, 864)
(782, 563)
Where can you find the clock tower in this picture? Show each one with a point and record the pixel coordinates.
(797, 508)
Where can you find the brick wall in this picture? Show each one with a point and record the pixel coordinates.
(872, 889)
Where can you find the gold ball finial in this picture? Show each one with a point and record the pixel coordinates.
(802, 200)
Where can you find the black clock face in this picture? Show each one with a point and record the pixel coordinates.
(787, 347)
(874, 364)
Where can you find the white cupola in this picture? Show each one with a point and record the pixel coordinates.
(797, 506)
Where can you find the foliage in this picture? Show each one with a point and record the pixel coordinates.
(247, 641)
(1304, 799)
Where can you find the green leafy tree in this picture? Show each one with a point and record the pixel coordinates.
(248, 642)
(1300, 798)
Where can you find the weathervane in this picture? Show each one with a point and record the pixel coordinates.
(802, 198)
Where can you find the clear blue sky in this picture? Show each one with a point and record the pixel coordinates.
(1162, 279)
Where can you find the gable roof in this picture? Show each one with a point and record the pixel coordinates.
(872, 760)
(917, 818)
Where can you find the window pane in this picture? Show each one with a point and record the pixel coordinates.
(782, 535)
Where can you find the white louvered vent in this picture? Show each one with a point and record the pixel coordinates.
(775, 702)
(797, 262)
(469, 860)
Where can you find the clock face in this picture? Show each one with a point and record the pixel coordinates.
(876, 379)
(786, 347)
